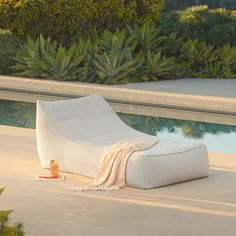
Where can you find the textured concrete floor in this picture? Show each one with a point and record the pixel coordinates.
(200, 207)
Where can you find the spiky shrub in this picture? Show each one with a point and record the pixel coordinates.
(62, 64)
(9, 44)
(43, 59)
(224, 67)
(172, 44)
(116, 62)
(86, 49)
(195, 55)
(218, 70)
(30, 58)
(227, 55)
(157, 66)
(136, 54)
(115, 67)
(84, 61)
(5, 228)
(147, 37)
(109, 58)
(119, 41)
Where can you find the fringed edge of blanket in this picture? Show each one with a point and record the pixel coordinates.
(94, 188)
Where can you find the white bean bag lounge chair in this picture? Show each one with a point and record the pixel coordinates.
(75, 132)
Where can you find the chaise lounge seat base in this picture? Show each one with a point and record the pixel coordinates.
(154, 168)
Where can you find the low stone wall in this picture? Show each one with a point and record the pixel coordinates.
(181, 106)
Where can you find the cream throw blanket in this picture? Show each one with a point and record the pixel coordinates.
(112, 166)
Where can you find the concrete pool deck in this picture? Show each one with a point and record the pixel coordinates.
(201, 207)
(224, 88)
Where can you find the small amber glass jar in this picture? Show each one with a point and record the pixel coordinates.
(54, 168)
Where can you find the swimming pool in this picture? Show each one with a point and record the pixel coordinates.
(217, 137)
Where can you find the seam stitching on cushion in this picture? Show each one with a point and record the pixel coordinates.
(166, 154)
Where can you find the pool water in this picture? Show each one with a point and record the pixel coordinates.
(217, 137)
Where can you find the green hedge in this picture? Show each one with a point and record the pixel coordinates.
(9, 43)
(214, 26)
(62, 19)
(196, 42)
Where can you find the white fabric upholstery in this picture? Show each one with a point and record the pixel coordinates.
(75, 132)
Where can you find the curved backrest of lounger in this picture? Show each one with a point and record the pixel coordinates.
(77, 131)
(88, 119)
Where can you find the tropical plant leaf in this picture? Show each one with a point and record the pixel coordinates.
(148, 37)
(195, 55)
(157, 67)
(114, 67)
(42, 58)
(227, 56)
